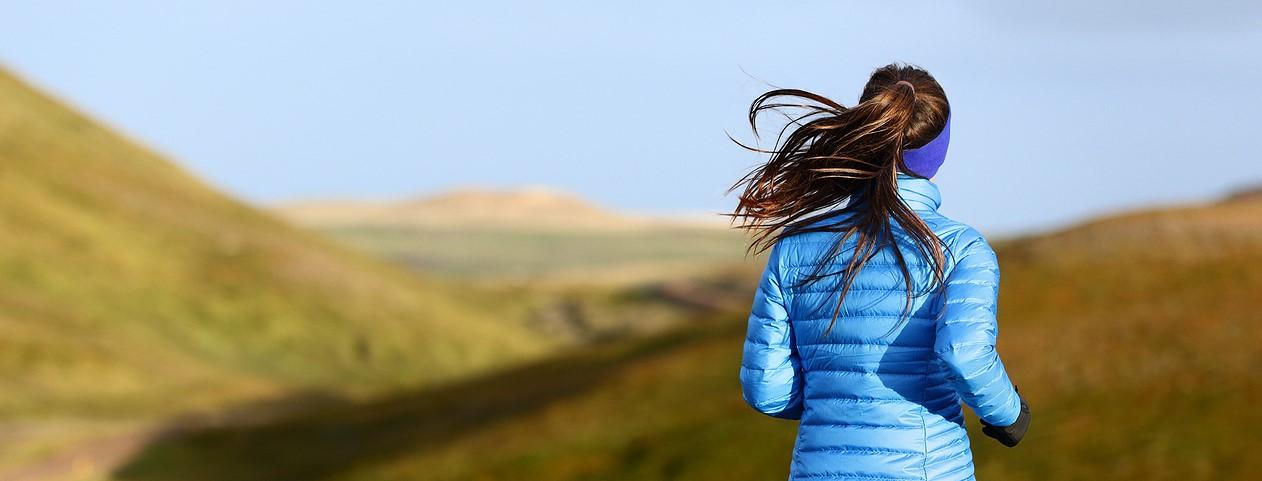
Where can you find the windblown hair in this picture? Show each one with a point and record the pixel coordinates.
(835, 161)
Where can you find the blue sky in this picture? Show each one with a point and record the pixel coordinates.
(1062, 110)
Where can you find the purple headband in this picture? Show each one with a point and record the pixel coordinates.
(925, 160)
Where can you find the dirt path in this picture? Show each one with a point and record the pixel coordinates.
(93, 459)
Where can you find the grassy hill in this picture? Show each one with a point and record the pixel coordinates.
(519, 236)
(1134, 338)
(519, 208)
(130, 290)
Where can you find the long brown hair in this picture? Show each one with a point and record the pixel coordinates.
(830, 160)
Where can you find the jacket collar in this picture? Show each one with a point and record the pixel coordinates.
(919, 193)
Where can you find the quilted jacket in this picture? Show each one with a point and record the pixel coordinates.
(879, 399)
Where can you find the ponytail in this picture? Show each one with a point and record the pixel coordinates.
(849, 157)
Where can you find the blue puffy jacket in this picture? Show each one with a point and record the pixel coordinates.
(878, 406)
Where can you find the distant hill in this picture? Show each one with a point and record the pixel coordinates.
(524, 235)
(1133, 337)
(1215, 230)
(534, 208)
(1252, 193)
(129, 288)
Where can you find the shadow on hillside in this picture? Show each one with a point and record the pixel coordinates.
(321, 443)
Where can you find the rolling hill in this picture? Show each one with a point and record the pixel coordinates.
(525, 208)
(1134, 337)
(523, 236)
(130, 290)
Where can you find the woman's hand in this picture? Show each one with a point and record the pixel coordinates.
(1010, 435)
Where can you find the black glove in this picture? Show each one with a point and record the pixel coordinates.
(1010, 435)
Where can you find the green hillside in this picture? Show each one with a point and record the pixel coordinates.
(130, 289)
(1134, 339)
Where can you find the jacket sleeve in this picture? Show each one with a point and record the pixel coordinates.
(770, 375)
(966, 336)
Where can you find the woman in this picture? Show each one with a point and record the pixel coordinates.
(875, 315)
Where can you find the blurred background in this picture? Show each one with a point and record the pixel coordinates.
(480, 240)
